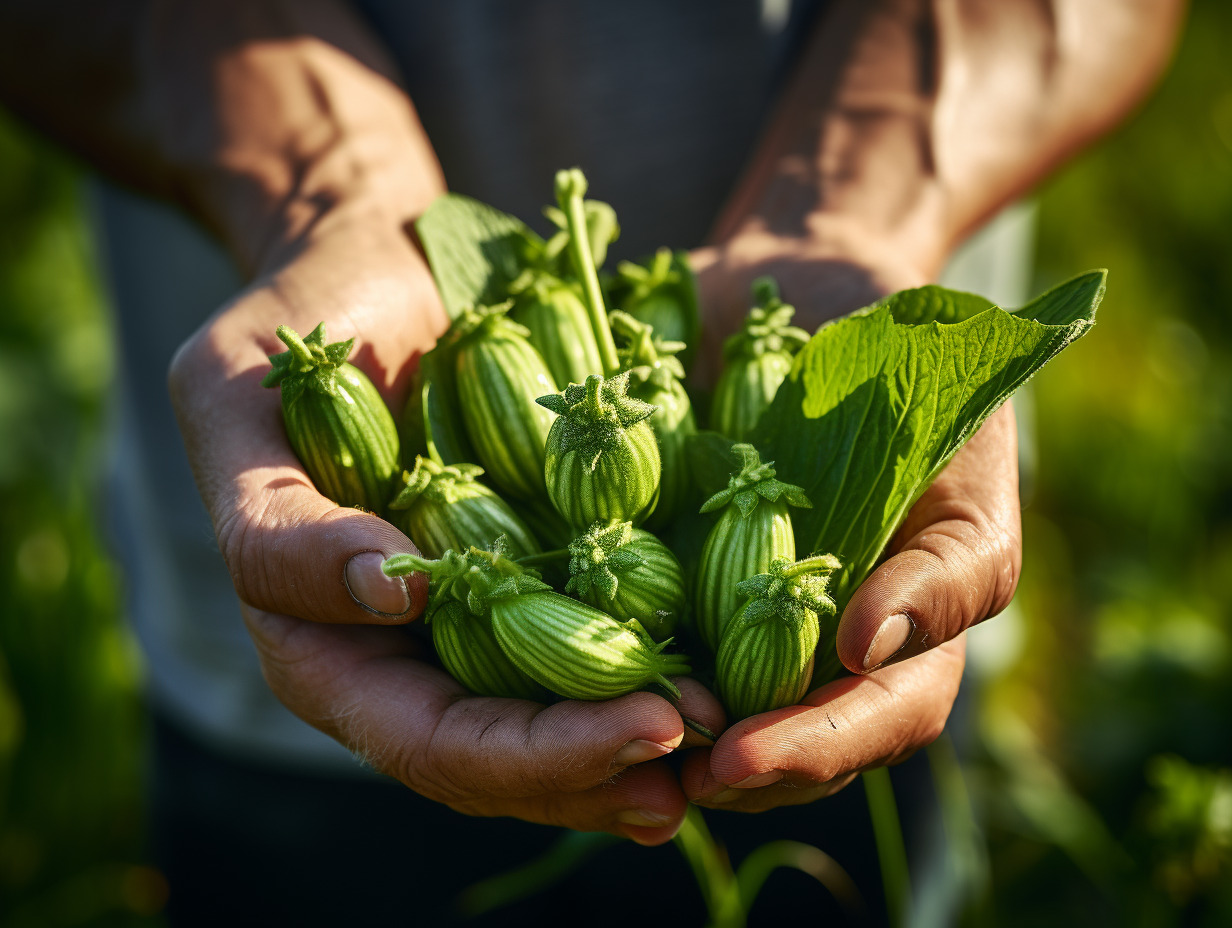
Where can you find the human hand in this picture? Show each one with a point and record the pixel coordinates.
(954, 562)
(308, 575)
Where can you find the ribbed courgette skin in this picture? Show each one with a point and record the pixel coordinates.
(738, 547)
(348, 443)
(468, 650)
(577, 651)
(745, 389)
(672, 422)
(649, 584)
(764, 665)
(499, 377)
(560, 331)
(477, 516)
(622, 485)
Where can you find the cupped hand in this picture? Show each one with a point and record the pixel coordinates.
(322, 615)
(954, 562)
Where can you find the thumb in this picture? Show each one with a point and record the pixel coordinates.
(956, 562)
(289, 549)
(292, 551)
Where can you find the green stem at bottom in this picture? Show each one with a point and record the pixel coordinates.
(891, 852)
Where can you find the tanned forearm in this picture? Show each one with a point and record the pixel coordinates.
(263, 118)
(910, 122)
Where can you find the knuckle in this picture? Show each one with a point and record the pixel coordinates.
(241, 548)
(981, 558)
(929, 730)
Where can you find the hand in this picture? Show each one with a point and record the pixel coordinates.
(954, 562)
(307, 572)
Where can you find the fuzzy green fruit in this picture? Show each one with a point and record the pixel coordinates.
(336, 421)
(765, 660)
(754, 529)
(578, 651)
(602, 460)
(462, 631)
(564, 645)
(443, 507)
(662, 293)
(756, 362)
(560, 329)
(654, 378)
(629, 574)
(499, 375)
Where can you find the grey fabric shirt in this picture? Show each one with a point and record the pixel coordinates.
(660, 103)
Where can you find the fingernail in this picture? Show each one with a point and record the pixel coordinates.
(891, 638)
(726, 796)
(638, 752)
(644, 818)
(372, 589)
(759, 779)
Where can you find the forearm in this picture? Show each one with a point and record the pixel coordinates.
(909, 122)
(264, 118)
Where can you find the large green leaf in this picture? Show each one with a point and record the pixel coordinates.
(474, 249)
(878, 402)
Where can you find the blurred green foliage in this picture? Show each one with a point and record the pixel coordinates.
(1100, 784)
(70, 755)
(1103, 766)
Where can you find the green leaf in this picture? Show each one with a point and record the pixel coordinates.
(879, 401)
(475, 251)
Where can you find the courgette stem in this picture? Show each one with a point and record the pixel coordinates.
(711, 869)
(570, 189)
(303, 354)
(891, 852)
(544, 557)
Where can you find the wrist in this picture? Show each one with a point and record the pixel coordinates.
(264, 137)
(267, 209)
(826, 274)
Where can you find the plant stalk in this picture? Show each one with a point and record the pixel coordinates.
(543, 557)
(570, 188)
(303, 354)
(891, 852)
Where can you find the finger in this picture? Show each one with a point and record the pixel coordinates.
(702, 714)
(956, 562)
(415, 722)
(643, 803)
(289, 549)
(707, 791)
(848, 725)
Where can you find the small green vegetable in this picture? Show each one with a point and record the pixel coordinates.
(443, 507)
(662, 292)
(499, 375)
(602, 460)
(753, 530)
(566, 646)
(462, 629)
(765, 660)
(756, 360)
(578, 651)
(629, 574)
(336, 421)
(654, 377)
(559, 327)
